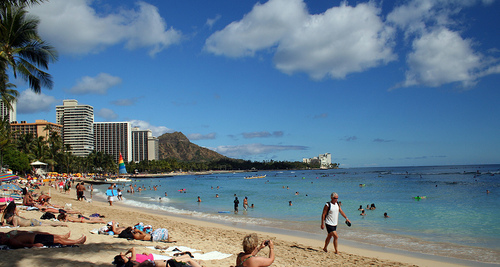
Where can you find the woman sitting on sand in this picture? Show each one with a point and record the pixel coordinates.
(28, 199)
(63, 217)
(251, 247)
(11, 216)
(147, 260)
(158, 235)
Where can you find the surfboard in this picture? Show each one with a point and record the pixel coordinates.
(111, 192)
(224, 212)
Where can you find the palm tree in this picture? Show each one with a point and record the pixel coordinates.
(6, 138)
(5, 3)
(55, 147)
(7, 94)
(41, 150)
(26, 144)
(22, 49)
(66, 159)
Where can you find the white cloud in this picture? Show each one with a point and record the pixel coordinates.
(260, 29)
(441, 57)
(97, 85)
(210, 22)
(340, 41)
(439, 54)
(253, 149)
(411, 17)
(262, 134)
(198, 136)
(156, 35)
(74, 27)
(144, 125)
(321, 116)
(30, 102)
(107, 114)
(126, 101)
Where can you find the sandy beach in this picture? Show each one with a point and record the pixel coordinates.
(205, 237)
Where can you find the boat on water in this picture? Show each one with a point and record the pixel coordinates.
(117, 180)
(256, 177)
(121, 179)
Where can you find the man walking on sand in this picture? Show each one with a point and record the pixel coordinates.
(330, 217)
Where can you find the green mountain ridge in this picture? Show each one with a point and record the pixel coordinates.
(177, 145)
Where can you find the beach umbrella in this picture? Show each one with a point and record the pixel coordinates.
(4, 177)
(10, 187)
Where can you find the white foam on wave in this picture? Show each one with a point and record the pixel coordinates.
(422, 246)
(228, 218)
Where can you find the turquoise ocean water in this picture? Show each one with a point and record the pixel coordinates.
(457, 218)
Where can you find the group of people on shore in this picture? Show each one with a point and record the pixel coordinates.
(28, 239)
(251, 245)
(10, 216)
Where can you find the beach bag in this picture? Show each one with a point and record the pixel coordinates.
(48, 216)
(174, 263)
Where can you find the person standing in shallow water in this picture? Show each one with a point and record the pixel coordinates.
(330, 217)
(245, 203)
(236, 202)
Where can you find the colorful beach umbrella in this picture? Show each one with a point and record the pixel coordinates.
(8, 177)
(10, 187)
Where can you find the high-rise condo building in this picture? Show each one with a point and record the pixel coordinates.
(144, 145)
(9, 113)
(114, 138)
(325, 160)
(77, 121)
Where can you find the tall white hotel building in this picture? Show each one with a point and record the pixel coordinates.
(5, 112)
(114, 138)
(77, 123)
(145, 145)
(84, 135)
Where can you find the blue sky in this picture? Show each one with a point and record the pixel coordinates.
(374, 83)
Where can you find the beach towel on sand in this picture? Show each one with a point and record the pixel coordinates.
(160, 234)
(213, 255)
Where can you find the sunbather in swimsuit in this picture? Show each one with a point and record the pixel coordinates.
(16, 220)
(160, 234)
(21, 239)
